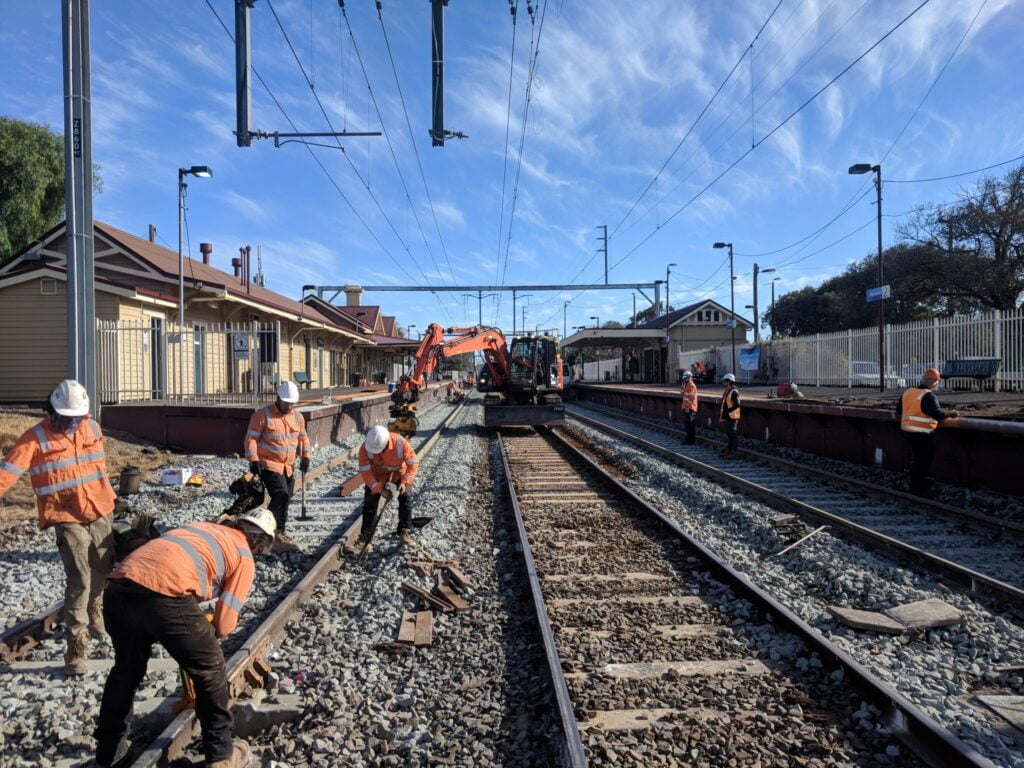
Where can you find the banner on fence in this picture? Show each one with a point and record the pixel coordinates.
(750, 358)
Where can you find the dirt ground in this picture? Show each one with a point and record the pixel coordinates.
(122, 451)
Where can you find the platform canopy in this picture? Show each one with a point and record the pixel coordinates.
(613, 337)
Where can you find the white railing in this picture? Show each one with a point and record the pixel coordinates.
(850, 358)
(207, 364)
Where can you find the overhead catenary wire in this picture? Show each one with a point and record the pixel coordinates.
(956, 175)
(316, 159)
(514, 9)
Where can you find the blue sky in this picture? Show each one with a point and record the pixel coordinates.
(617, 85)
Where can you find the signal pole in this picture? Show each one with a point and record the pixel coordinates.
(604, 249)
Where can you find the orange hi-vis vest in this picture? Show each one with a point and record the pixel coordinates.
(733, 415)
(274, 439)
(689, 390)
(202, 559)
(397, 463)
(913, 418)
(68, 473)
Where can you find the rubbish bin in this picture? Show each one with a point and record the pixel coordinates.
(391, 386)
(354, 380)
(131, 478)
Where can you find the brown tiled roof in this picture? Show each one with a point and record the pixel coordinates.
(367, 315)
(166, 261)
(389, 325)
(394, 341)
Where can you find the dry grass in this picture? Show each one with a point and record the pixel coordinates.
(19, 502)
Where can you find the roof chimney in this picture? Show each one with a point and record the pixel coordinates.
(237, 264)
(353, 294)
(206, 249)
(152, 233)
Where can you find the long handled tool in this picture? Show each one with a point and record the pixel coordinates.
(303, 513)
(390, 492)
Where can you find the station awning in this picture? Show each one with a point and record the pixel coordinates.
(614, 337)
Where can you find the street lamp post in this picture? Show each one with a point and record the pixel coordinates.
(757, 319)
(772, 325)
(858, 169)
(202, 172)
(668, 273)
(597, 321)
(732, 303)
(565, 306)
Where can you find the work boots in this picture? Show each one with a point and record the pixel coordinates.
(76, 658)
(406, 538)
(284, 543)
(97, 630)
(241, 757)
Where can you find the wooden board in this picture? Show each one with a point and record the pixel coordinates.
(458, 578)
(447, 593)
(424, 621)
(407, 628)
(652, 669)
(670, 631)
(562, 602)
(642, 719)
(351, 485)
(604, 577)
(429, 599)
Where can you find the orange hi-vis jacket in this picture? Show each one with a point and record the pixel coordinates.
(396, 463)
(202, 559)
(68, 473)
(912, 416)
(730, 410)
(274, 439)
(689, 390)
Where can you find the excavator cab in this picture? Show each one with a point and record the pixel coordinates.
(532, 396)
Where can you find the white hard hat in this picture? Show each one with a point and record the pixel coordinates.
(70, 399)
(687, 374)
(376, 440)
(288, 392)
(262, 518)
(729, 377)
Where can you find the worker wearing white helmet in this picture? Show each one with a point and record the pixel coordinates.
(386, 458)
(729, 415)
(275, 438)
(63, 455)
(154, 597)
(688, 390)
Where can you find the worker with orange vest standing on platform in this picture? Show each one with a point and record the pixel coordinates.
(154, 597)
(63, 455)
(689, 393)
(920, 413)
(729, 415)
(386, 457)
(276, 434)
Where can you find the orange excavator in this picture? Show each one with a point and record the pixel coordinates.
(524, 384)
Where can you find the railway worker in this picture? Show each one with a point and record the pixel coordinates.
(689, 393)
(153, 597)
(729, 415)
(63, 455)
(276, 434)
(920, 413)
(386, 457)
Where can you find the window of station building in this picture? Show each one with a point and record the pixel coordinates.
(47, 286)
(716, 316)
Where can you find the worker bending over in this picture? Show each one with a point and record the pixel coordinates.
(689, 393)
(154, 597)
(920, 413)
(276, 434)
(729, 415)
(386, 457)
(63, 455)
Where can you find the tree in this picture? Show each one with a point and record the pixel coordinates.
(645, 315)
(31, 182)
(979, 242)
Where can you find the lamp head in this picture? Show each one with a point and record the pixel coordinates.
(721, 245)
(202, 171)
(766, 271)
(673, 264)
(859, 168)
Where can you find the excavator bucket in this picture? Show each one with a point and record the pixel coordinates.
(523, 415)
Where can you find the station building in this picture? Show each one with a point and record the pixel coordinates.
(239, 338)
(651, 353)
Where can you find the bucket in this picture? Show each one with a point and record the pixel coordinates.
(391, 386)
(131, 478)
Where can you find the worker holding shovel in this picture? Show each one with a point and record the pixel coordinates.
(388, 466)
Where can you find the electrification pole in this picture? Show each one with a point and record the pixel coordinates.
(604, 249)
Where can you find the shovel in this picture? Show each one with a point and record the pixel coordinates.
(303, 514)
(392, 493)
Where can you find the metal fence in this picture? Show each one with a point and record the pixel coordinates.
(206, 363)
(850, 358)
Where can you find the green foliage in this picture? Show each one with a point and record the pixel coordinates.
(31, 182)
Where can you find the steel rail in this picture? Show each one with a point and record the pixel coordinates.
(571, 745)
(947, 511)
(247, 668)
(19, 639)
(929, 740)
(960, 576)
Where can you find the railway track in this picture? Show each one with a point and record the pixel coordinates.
(649, 638)
(328, 528)
(975, 553)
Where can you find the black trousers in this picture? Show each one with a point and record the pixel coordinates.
(923, 449)
(729, 427)
(690, 422)
(370, 501)
(281, 490)
(135, 619)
